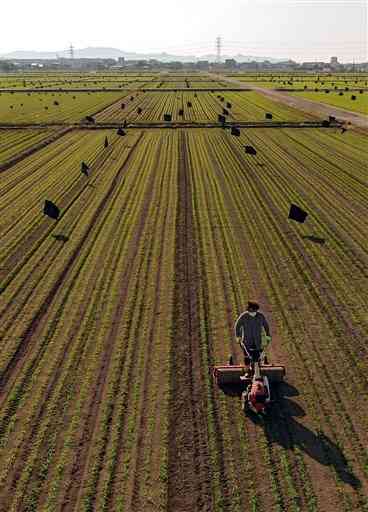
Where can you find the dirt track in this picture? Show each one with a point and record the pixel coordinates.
(189, 455)
(312, 107)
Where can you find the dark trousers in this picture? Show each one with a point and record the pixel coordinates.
(251, 355)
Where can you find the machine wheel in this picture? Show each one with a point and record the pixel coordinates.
(244, 400)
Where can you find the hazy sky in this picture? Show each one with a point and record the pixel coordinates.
(299, 29)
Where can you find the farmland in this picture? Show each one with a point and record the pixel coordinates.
(197, 106)
(113, 316)
(52, 107)
(303, 81)
(354, 101)
(16, 142)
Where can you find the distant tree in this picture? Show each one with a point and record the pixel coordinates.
(6, 66)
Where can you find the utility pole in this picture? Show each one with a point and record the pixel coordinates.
(71, 51)
(218, 49)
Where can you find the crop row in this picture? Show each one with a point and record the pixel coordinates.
(34, 107)
(266, 192)
(14, 142)
(82, 441)
(197, 106)
(110, 333)
(340, 99)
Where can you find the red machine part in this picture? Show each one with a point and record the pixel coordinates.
(258, 395)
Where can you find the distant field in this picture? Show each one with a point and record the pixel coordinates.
(303, 81)
(360, 104)
(198, 106)
(36, 107)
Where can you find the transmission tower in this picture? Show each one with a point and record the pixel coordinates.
(71, 51)
(218, 49)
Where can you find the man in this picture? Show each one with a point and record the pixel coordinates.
(248, 327)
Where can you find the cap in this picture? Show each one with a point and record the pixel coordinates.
(297, 213)
(253, 305)
(167, 117)
(121, 132)
(268, 115)
(250, 150)
(235, 131)
(51, 210)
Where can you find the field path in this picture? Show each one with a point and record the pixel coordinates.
(312, 107)
(189, 458)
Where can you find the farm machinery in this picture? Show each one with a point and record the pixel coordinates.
(253, 381)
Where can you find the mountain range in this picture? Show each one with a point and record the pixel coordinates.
(114, 53)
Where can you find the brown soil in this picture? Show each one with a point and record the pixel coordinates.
(189, 469)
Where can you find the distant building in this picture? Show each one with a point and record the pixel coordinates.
(334, 61)
(230, 63)
(286, 65)
(202, 64)
(121, 61)
(174, 65)
(249, 65)
(314, 66)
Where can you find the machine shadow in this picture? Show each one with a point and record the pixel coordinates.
(281, 427)
(229, 390)
(315, 239)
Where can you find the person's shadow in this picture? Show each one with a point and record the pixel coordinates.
(281, 428)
